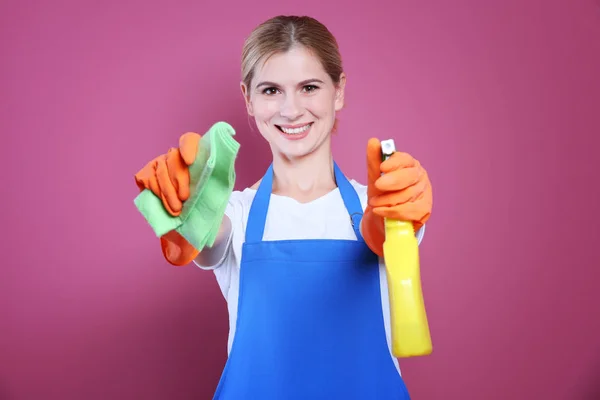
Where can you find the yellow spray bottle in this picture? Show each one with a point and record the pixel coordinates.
(409, 325)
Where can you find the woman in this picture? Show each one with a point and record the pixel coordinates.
(298, 253)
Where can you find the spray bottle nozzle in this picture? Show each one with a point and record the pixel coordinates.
(388, 147)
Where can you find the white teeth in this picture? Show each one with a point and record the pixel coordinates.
(295, 131)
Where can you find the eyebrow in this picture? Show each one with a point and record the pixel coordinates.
(305, 82)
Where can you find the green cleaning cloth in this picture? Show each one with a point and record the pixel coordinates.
(212, 177)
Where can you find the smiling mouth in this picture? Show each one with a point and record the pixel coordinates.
(294, 131)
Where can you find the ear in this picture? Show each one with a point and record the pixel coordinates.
(246, 94)
(339, 92)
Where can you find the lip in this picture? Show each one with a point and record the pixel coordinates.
(297, 136)
(287, 126)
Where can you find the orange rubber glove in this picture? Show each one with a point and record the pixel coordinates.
(403, 193)
(168, 177)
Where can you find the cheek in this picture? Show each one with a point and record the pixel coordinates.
(322, 106)
(265, 109)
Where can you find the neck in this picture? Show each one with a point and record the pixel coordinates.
(306, 178)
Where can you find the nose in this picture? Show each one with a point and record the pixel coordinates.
(290, 108)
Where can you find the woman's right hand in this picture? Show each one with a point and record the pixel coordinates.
(168, 177)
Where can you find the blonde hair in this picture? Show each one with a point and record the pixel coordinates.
(280, 34)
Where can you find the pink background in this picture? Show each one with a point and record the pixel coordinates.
(499, 100)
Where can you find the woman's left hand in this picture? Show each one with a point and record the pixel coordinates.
(404, 190)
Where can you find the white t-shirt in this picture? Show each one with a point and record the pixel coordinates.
(287, 219)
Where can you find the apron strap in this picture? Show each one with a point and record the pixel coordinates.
(351, 200)
(257, 217)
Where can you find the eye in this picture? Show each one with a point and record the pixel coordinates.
(270, 91)
(310, 88)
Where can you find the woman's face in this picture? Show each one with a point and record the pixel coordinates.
(294, 102)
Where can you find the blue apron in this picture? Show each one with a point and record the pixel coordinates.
(309, 324)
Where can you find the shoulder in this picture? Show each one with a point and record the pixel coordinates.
(359, 187)
(239, 203)
(242, 196)
(361, 191)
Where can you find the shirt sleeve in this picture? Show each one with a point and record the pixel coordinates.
(208, 261)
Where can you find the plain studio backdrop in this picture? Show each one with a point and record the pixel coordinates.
(500, 101)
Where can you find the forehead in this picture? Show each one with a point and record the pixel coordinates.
(296, 65)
